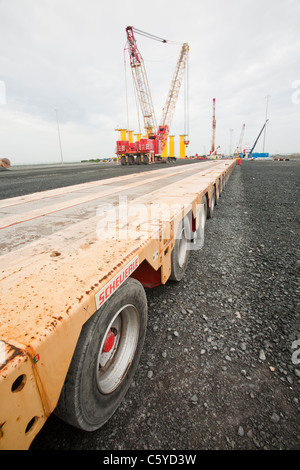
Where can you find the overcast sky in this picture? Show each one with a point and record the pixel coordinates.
(69, 55)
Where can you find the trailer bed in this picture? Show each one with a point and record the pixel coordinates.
(63, 253)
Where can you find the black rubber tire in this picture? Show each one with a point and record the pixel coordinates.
(81, 402)
(130, 160)
(223, 183)
(211, 207)
(123, 161)
(138, 159)
(146, 160)
(178, 268)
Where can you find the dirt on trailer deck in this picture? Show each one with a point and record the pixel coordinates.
(220, 367)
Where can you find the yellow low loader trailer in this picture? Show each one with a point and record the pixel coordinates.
(73, 267)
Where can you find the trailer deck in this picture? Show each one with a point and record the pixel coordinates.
(64, 252)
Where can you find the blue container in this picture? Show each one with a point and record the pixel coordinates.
(259, 155)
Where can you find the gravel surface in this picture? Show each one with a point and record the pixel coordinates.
(220, 367)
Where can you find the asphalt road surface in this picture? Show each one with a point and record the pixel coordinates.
(20, 180)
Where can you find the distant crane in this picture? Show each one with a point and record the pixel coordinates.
(150, 148)
(254, 145)
(213, 128)
(239, 147)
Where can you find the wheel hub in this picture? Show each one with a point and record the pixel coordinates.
(109, 342)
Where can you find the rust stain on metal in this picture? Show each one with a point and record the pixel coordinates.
(53, 324)
(43, 393)
(10, 353)
(1, 426)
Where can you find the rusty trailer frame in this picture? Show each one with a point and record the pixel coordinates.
(56, 271)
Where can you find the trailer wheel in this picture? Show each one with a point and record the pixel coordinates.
(198, 236)
(145, 160)
(123, 160)
(130, 160)
(212, 204)
(138, 159)
(180, 253)
(105, 359)
(218, 192)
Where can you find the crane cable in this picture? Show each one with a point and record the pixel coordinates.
(186, 101)
(126, 91)
(151, 36)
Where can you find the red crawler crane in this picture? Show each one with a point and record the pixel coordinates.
(150, 149)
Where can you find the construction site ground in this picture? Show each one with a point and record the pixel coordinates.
(220, 367)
